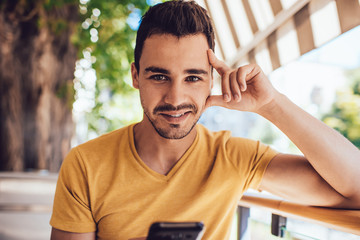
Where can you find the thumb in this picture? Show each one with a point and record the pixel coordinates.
(219, 65)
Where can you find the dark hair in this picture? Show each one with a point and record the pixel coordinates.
(179, 18)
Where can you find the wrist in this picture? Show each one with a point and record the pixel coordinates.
(274, 107)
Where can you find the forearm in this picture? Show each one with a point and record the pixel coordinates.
(57, 234)
(331, 155)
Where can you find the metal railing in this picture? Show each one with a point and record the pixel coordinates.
(344, 220)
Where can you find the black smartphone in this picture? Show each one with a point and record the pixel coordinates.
(176, 231)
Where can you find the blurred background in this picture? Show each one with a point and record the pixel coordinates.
(65, 79)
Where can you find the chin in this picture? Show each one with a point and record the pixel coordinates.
(174, 132)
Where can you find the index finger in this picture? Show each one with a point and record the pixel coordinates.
(219, 65)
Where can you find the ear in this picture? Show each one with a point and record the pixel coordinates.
(135, 76)
(211, 77)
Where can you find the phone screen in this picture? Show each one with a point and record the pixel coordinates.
(176, 231)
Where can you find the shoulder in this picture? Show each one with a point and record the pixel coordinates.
(97, 155)
(225, 138)
(102, 147)
(213, 137)
(107, 139)
(234, 147)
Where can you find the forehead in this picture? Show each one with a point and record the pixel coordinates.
(166, 50)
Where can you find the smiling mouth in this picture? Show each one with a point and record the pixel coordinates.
(175, 117)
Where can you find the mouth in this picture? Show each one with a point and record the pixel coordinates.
(175, 117)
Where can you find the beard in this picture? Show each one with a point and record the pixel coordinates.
(172, 131)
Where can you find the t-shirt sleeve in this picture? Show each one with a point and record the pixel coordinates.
(251, 159)
(71, 209)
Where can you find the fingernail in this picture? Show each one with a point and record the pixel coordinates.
(226, 97)
(236, 96)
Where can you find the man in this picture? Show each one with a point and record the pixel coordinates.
(168, 168)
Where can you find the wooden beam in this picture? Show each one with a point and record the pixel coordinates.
(304, 30)
(251, 56)
(216, 33)
(276, 6)
(273, 50)
(250, 16)
(231, 24)
(349, 14)
(280, 19)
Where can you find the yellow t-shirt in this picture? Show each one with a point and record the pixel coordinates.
(104, 186)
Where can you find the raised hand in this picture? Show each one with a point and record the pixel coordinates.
(245, 88)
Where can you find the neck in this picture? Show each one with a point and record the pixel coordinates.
(159, 153)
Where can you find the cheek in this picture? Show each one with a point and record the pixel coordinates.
(149, 97)
(144, 96)
(201, 95)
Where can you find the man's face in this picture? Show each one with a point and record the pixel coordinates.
(174, 81)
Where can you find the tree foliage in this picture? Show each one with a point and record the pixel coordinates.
(345, 113)
(114, 47)
(108, 33)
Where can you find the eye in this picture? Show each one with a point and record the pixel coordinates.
(193, 79)
(159, 77)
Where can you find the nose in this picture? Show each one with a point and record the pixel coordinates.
(175, 94)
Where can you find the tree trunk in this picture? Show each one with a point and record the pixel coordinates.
(37, 63)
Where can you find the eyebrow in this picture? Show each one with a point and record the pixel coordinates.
(196, 71)
(156, 70)
(165, 71)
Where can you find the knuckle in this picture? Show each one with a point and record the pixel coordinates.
(240, 71)
(225, 77)
(232, 75)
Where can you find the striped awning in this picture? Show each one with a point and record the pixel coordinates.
(274, 32)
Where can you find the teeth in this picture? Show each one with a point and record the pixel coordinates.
(176, 116)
